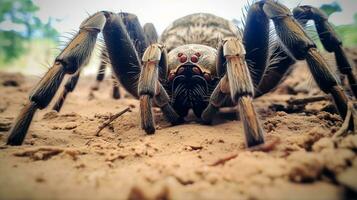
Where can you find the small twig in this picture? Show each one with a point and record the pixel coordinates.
(221, 161)
(267, 146)
(111, 119)
(4, 147)
(195, 147)
(307, 100)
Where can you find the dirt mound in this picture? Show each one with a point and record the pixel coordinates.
(63, 158)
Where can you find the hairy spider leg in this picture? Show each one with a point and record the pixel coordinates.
(329, 39)
(69, 61)
(235, 86)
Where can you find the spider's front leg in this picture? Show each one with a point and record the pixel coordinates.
(149, 88)
(329, 40)
(237, 85)
(75, 55)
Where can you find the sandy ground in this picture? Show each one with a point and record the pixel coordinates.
(62, 157)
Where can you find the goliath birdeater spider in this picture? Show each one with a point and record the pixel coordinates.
(201, 62)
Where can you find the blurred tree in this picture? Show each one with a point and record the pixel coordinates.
(21, 13)
(331, 8)
(348, 33)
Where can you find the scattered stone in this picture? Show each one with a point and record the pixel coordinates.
(337, 160)
(70, 126)
(304, 166)
(115, 155)
(323, 143)
(50, 115)
(11, 79)
(348, 178)
(349, 142)
(45, 153)
(40, 179)
(5, 124)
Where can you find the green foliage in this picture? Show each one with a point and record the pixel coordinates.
(11, 45)
(21, 13)
(348, 33)
(331, 8)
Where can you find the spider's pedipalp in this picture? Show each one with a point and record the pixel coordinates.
(240, 82)
(150, 72)
(149, 88)
(147, 119)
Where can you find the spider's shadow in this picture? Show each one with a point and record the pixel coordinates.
(224, 115)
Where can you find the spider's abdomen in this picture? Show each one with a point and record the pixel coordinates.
(200, 28)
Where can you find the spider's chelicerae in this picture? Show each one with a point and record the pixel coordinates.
(199, 63)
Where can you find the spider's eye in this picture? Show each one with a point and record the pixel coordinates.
(183, 58)
(194, 58)
(198, 54)
(179, 54)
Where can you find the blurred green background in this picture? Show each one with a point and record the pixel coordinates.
(29, 31)
(26, 40)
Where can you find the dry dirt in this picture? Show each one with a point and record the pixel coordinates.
(62, 158)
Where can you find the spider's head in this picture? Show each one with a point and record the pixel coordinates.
(191, 60)
(191, 73)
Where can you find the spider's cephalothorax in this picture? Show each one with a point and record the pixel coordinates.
(199, 63)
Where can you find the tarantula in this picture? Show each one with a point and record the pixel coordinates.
(200, 63)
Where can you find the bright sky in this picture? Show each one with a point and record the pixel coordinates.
(162, 12)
